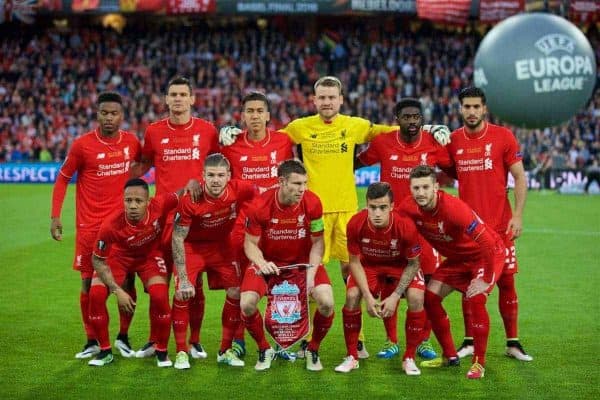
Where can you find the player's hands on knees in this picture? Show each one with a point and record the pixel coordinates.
(389, 305)
(185, 291)
(228, 135)
(373, 308)
(268, 268)
(125, 301)
(440, 133)
(56, 229)
(476, 287)
(194, 188)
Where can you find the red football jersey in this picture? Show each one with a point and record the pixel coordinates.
(398, 158)
(392, 245)
(178, 151)
(258, 161)
(482, 165)
(120, 238)
(102, 167)
(212, 219)
(285, 231)
(456, 231)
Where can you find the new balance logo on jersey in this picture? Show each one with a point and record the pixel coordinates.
(244, 158)
(394, 157)
(164, 140)
(207, 215)
(100, 156)
(130, 238)
(459, 152)
(366, 240)
(274, 220)
(196, 140)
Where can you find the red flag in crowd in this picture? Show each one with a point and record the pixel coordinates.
(446, 11)
(493, 11)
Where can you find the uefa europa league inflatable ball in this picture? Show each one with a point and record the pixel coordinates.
(537, 70)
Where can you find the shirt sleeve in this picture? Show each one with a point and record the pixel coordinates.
(71, 165)
(294, 130)
(253, 222)
(185, 211)
(512, 153)
(148, 148)
(368, 130)
(353, 241)
(370, 155)
(411, 238)
(104, 240)
(316, 216)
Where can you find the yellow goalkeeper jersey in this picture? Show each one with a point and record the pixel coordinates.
(328, 155)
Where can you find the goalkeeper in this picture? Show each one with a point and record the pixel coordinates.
(326, 142)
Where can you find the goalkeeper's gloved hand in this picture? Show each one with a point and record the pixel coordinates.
(228, 135)
(440, 133)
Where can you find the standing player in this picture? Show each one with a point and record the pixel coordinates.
(285, 226)
(201, 242)
(474, 260)
(177, 147)
(130, 242)
(398, 153)
(484, 154)
(384, 262)
(101, 158)
(255, 157)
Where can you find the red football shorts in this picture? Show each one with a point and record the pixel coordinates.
(510, 263)
(84, 247)
(459, 274)
(217, 260)
(256, 283)
(377, 277)
(146, 268)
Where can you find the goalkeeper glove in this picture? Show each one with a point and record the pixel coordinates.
(228, 135)
(440, 133)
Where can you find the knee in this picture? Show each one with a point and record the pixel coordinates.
(325, 304)
(233, 292)
(247, 305)
(353, 297)
(416, 300)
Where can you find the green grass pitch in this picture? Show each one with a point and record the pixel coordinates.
(40, 328)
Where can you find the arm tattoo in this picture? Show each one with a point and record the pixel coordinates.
(179, 235)
(104, 273)
(408, 275)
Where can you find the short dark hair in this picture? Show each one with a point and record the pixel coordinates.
(256, 96)
(408, 102)
(137, 182)
(289, 167)
(378, 190)
(423, 171)
(471, 91)
(329, 81)
(110, 97)
(217, 160)
(180, 80)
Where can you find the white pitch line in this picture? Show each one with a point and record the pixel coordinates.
(547, 231)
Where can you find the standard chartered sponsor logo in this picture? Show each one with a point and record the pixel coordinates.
(113, 169)
(255, 173)
(182, 154)
(552, 73)
(324, 148)
(400, 172)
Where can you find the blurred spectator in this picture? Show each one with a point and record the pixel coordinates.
(49, 78)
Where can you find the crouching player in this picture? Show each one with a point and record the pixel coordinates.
(384, 261)
(129, 242)
(201, 242)
(474, 260)
(285, 226)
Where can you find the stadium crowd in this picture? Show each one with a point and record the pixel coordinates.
(49, 79)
